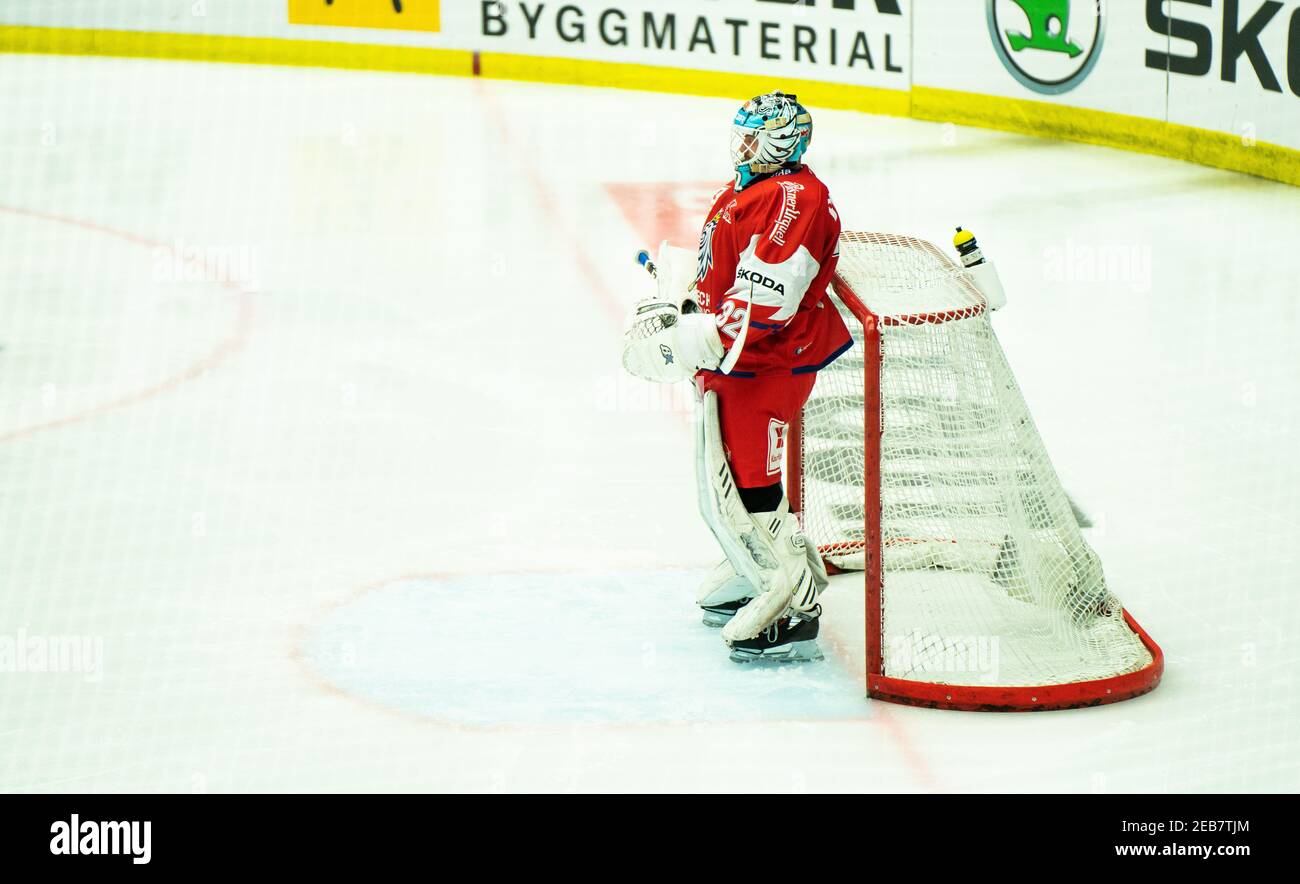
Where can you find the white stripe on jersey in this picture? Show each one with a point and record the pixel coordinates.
(776, 285)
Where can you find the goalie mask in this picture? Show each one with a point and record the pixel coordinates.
(770, 132)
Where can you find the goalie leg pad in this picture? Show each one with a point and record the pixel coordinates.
(722, 594)
(794, 592)
(748, 549)
(769, 550)
(817, 567)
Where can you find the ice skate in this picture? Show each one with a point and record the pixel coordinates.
(788, 640)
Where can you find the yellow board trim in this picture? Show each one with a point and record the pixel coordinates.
(1203, 146)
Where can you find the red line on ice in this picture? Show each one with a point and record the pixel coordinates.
(229, 345)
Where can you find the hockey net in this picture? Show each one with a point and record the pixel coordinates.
(916, 462)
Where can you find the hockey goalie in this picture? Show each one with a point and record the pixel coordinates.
(747, 319)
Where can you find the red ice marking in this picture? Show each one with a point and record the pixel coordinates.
(232, 343)
(478, 66)
(550, 206)
(664, 210)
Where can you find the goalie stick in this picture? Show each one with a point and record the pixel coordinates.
(690, 305)
(643, 258)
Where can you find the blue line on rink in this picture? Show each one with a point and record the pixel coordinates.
(561, 649)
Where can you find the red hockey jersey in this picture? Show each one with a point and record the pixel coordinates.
(766, 257)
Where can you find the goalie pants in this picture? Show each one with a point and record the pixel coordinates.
(755, 416)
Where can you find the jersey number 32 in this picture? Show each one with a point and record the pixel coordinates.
(731, 318)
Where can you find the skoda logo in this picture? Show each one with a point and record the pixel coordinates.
(1050, 46)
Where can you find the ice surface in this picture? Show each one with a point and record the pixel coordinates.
(229, 485)
(556, 649)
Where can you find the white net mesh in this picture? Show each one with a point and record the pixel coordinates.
(986, 578)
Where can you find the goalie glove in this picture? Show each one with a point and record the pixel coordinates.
(664, 345)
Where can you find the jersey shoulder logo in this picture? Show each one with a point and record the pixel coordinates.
(704, 261)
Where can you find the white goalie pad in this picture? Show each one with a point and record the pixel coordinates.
(749, 551)
(766, 550)
(723, 585)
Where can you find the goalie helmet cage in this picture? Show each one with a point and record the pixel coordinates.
(915, 461)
